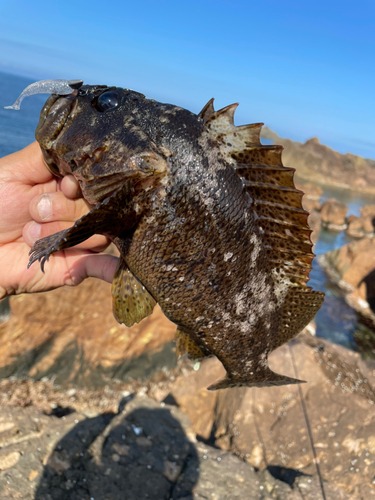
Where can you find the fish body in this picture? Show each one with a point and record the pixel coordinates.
(208, 222)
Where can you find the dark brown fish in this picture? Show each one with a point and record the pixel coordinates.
(207, 220)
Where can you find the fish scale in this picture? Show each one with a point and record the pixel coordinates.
(207, 220)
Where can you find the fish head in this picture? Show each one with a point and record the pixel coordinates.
(93, 133)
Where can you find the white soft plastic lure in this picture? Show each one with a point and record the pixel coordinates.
(59, 87)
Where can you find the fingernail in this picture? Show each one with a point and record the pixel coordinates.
(34, 231)
(44, 207)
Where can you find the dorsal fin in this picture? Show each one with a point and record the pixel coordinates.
(277, 206)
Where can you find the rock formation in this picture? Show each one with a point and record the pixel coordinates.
(70, 335)
(363, 226)
(333, 215)
(352, 267)
(322, 165)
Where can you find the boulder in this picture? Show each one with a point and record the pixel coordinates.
(355, 227)
(352, 267)
(333, 215)
(70, 335)
(266, 426)
(363, 226)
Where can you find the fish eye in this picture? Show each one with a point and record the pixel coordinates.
(107, 101)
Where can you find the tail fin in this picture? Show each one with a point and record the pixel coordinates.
(263, 377)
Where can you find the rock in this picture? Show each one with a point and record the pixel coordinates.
(333, 215)
(320, 164)
(267, 428)
(359, 227)
(33, 475)
(315, 222)
(172, 467)
(355, 227)
(368, 211)
(352, 268)
(224, 476)
(311, 198)
(353, 263)
(70, 335)
(10, 460)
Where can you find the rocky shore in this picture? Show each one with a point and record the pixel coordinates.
(91, 410)
(317, 163)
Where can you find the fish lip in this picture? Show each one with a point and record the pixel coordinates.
(51, 101)
(49, 127)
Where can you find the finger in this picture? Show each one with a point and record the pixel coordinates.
(52, 207)
(69, 267)
(70, 187)
(27, 166)
(101, 266)
(15, 199)
(33, 231)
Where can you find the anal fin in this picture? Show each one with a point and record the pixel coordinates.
(262, 377)
(185, 344)
(130, 300)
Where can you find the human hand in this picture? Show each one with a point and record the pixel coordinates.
(34, 204)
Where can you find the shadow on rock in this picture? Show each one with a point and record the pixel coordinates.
(142, 452)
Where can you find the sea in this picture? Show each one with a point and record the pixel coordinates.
(335, 321)
(17, 128)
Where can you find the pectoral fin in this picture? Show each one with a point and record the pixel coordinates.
(83, 229)
(106, 217)
(130, 300)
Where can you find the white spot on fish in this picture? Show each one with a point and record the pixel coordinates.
(227, 256)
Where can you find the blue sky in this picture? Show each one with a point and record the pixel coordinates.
(304, 68)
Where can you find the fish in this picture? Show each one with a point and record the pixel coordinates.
(207, 220)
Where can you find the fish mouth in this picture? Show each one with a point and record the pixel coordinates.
(53, 117)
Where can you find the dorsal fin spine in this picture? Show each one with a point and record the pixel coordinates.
(279, 205)
(228, 112)
(277, 187)
(207, 111)
(282, 222)
(275, 168)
